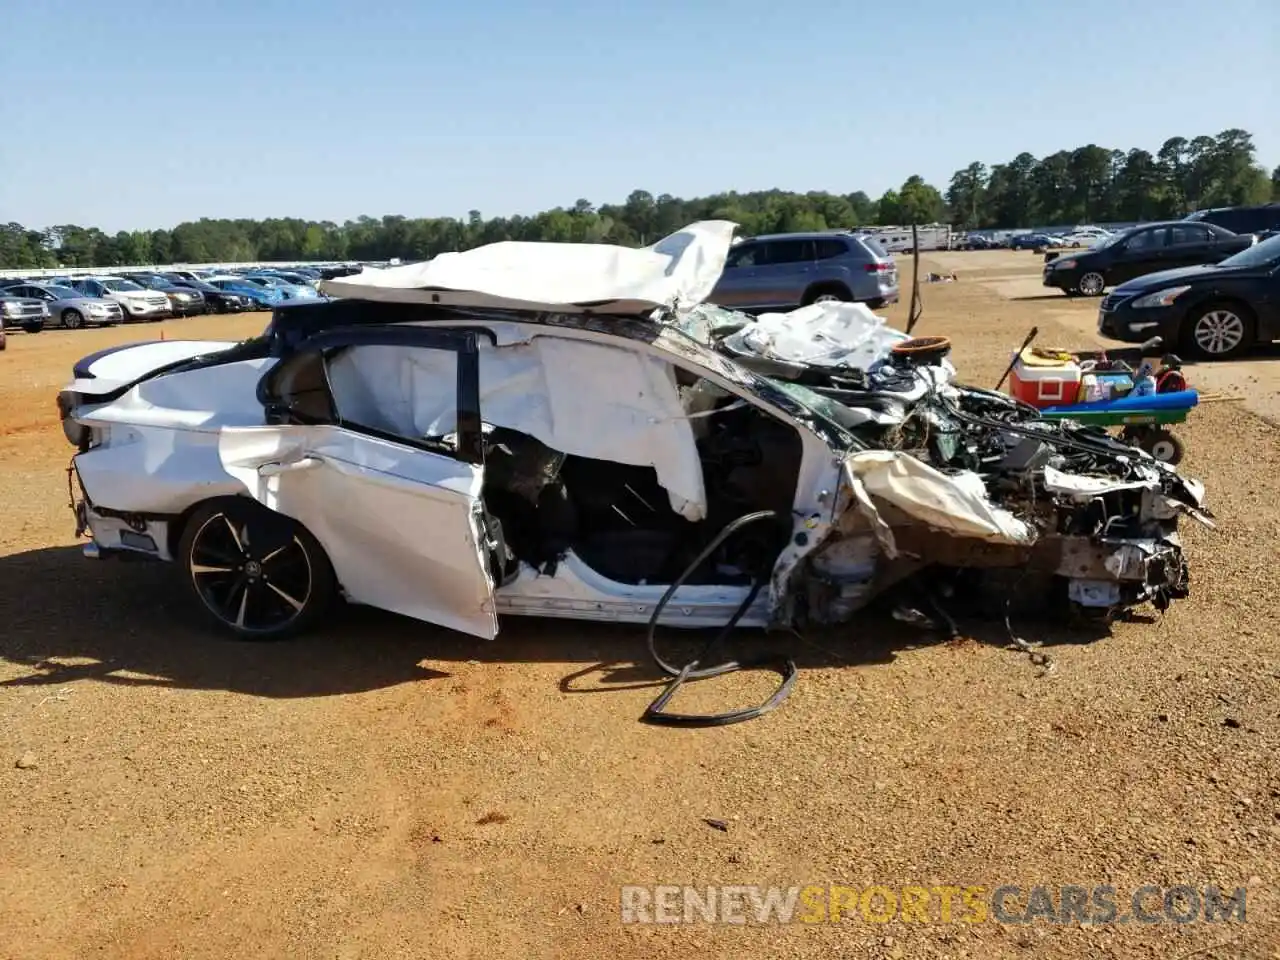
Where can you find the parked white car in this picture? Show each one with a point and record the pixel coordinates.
(1085, 237)
(565, 430)
(136, 301)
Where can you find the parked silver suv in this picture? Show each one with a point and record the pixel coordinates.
(793, 269)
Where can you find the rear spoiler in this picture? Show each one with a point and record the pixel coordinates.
(86, 385)
(81, 370)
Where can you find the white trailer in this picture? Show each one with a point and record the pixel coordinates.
(931, 236)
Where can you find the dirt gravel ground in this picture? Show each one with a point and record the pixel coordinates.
(388, 790)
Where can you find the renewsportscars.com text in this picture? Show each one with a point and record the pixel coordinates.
(827, 903)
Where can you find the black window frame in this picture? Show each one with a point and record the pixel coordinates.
(737, 251)
(800, 242)
(1130, 248)
(464, 343)
(1206, 237)
(839, 245)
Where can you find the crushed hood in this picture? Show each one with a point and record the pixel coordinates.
(679, 270)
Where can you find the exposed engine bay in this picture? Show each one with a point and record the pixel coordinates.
(1100, 517)
(1080, 521)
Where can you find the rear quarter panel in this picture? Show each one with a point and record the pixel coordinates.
(161, 440)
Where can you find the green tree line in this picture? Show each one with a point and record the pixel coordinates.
(1088, 184)
(1094, 184)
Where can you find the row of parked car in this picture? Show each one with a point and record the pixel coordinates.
(101, 300)
(1081, 236)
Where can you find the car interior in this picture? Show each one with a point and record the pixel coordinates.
(618, 518)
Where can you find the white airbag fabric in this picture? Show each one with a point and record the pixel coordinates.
(955, 505)
(585, 399)
(680, 269)
(821, 334)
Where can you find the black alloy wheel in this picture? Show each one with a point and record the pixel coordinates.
(258, 573)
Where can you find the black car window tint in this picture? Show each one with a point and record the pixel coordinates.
(828, 249)
(743, 255)
(1237, 221)
(1147, 240)
(789, 251)
(1251, 221)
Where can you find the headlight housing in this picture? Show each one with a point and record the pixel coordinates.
(8, 308)
(1161, 298)
(1064, 264)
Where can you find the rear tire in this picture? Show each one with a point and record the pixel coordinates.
(72, 319)
(253, 571)
(827, 293)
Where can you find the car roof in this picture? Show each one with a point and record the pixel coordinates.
(301, 319)
(805, 235)
(1157, 223)
(1274, 204)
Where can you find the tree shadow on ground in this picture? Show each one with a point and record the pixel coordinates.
(67, 618)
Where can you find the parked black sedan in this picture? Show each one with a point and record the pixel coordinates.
(215, 299)
(1214, 312)
(1141, 250)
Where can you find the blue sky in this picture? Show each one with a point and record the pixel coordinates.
(140, 114)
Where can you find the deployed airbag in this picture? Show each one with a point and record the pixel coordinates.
(828, 334)
(956, 504)
(581, 398)
(680, 270)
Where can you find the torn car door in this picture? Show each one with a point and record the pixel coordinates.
(400, 517)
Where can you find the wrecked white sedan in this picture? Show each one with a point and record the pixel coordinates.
(564, 430)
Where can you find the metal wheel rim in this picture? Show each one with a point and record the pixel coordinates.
(247, 589)
(1162, 450)
(827, 298)
(71, 319)
(1219, 331)
(1092, 283)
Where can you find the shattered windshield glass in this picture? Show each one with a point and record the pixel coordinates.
(706, 323)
